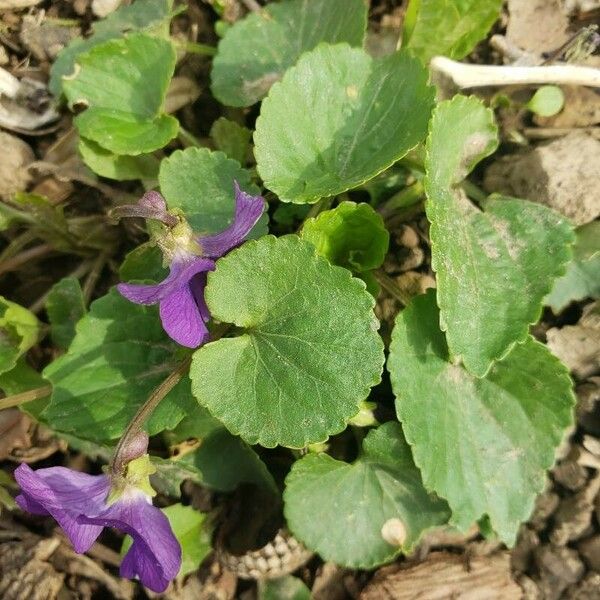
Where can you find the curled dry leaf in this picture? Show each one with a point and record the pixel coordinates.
(14, 428)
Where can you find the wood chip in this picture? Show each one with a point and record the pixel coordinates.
(445, 576)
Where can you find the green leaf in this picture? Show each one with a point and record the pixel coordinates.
(65, 306)
(119, 355)
(22, 378)
(447, 27)
(582, 279)
(141, 15)
(355, 501)
(144, 263)
(200, 183)
(224, 461)
(123, 84)
(256, 51)
(283, 588)
(482, 444)
(547, 101)
(482, 258)
(19, 331)
(231, 138)
(309, 352)
(351, 235)
(310, 144)
(115, 166)
(192, 531)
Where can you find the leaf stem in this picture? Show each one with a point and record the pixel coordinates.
(391, 287)
(23, 397)
(196, 48)
(318, 207)
(404, 198)
(137, 423)
(188, 139)
(93, 276)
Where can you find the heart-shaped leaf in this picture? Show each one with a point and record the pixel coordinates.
(309, 353)
(200, 183)
(356, 501)
(123, 83)
(119, 355)
(311, 144)
(493, 267)
(256, 51)
(448, 27)
(141, 15)
(482, 444)
(117, 166)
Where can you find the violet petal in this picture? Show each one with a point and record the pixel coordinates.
(64, 494)
(198, 285)
(248, 210)
(181, 318)
(155, 555)
(179, 276)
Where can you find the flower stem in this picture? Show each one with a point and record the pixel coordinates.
(136, 425)
(18, 399)
(188, 139)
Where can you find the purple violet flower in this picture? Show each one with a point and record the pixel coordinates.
(180, 296)
(84, 504)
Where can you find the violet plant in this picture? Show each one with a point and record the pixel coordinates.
(183, 311)
(480, 406)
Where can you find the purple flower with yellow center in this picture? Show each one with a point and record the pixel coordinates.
(84, 504)
(180, 296)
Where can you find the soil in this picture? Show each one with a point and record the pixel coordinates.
(558, 551)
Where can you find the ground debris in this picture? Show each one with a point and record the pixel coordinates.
(25, 573)
(43, 38)
(537, 25)
(484, 578)
(559, 568)
(562, 174)
(14, 167)
(578, 346)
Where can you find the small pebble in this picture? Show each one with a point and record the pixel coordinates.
(570, 475)
(410, 258)
(406, 236)
(590, 550)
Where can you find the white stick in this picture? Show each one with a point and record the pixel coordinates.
(9, 84)
(448, 74)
